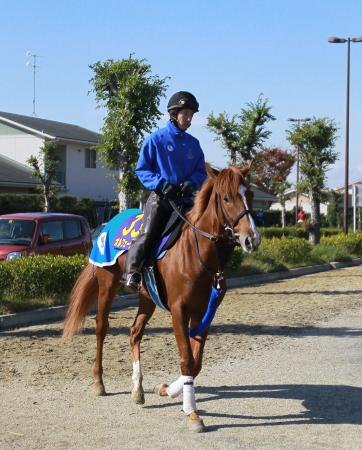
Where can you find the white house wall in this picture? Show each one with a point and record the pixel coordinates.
(20, 146)
(83, 182)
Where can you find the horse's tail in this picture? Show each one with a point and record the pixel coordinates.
(84, 294)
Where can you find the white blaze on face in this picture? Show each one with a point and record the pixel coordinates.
(256, 234)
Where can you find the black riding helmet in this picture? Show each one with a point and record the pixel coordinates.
(182, 100)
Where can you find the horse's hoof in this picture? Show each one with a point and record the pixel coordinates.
(161, 390)
(138, 396)
(98, 389)
(195, 423)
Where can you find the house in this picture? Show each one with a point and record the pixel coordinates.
(80, 173)
(303, 203)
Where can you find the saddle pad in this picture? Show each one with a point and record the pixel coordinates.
(116, 237)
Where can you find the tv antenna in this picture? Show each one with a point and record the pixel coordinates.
(34, 66)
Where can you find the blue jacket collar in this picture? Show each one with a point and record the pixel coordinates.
(173, 130)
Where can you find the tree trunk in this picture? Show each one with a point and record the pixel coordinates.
(315, 220)
(283, 216)
(122, 197)
(46, 198)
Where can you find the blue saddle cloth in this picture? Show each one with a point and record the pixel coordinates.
(116, 237)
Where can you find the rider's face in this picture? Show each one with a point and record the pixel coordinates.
(184, 118)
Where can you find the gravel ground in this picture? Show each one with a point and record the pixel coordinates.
(278, 354)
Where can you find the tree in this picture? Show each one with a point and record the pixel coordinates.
(335, 209)
(272, 167)
(242, 134)
(316, 141)
(45, 167)
(131, 96)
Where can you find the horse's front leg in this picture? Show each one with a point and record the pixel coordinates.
(145, 310)
(185, 383)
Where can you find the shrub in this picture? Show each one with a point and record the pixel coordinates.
(285, 250)
(39, 276)
(350, 243)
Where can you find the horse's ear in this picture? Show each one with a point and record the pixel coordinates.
(211, 171)
(246, 169)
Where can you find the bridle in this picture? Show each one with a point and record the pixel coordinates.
(228, 236)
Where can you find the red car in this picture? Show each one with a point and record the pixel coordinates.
(25, 234)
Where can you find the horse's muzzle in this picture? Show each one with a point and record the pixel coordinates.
(250, 243)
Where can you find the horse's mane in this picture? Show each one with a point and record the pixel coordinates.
(226, 183)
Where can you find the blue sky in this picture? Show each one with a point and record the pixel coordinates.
(225, 52)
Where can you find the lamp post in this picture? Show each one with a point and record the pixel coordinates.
(298, 121)
(337, 40)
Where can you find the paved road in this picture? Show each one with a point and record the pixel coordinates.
(301, 392)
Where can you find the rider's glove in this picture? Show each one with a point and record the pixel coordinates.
(187, 188)
(170, 191)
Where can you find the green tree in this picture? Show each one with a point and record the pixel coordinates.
(315, 140)
(131, 96)
(45, 167)
(335, 209)
(242, 134)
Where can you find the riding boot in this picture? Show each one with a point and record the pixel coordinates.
(156, 214)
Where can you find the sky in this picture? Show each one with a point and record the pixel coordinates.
(225, 52)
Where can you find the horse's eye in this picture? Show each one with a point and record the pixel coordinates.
(226, 199)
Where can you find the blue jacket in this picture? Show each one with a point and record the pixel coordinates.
(172, 155)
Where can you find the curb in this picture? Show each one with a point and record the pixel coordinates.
(57, 313)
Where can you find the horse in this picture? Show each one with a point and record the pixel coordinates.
(219, 220)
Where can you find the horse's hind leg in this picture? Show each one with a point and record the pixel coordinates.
(108, 280)
(145, 310)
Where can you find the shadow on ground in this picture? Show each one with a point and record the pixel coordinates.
(324, 404)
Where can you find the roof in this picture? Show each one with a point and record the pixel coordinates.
(261, 195)
(50, 129)
(39, 215)
(13, 173)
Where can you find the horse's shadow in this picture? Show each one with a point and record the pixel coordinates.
(324, 404)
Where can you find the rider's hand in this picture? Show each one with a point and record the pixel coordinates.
(187, 188)
(170, 191)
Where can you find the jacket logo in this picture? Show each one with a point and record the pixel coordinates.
(170, 148)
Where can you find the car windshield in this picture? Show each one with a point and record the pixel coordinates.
(16, 231)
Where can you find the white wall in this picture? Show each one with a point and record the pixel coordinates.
(303, 202)
(20, 146)
(91, 183)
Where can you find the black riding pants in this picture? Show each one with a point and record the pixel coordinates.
(157, 212)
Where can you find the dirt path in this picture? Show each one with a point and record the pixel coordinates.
(44, 388)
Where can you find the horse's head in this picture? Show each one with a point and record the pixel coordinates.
(233, 203)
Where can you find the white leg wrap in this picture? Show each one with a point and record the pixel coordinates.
(175, 388)
(189, 402)
(137, 374)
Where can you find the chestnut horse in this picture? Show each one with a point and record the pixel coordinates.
(219, 220)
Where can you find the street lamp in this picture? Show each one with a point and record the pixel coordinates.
(298, 121)
(337, 40)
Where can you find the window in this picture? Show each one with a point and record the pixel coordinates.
(54, 231)
(72, 229)
(90, 158)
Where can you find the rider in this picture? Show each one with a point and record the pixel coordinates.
(171, 165)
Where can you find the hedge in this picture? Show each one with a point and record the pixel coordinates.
(52, 277)
(39, 276)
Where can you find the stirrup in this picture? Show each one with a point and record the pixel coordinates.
(134, 281)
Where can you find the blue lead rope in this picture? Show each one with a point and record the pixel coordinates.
(210, 313)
